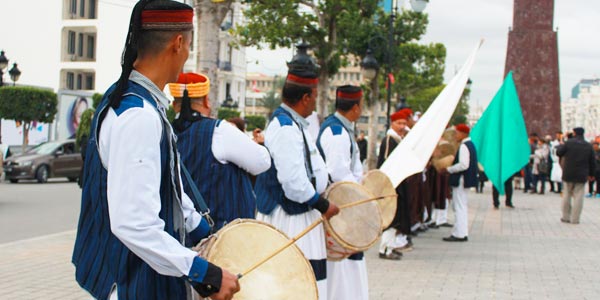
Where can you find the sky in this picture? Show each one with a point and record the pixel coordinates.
(460, 24)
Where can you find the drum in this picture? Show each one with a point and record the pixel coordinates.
(244, 242)
(380, 184)
(355, 228)
(445, 152)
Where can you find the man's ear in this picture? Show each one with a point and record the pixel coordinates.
(206, 102)
(177, 42)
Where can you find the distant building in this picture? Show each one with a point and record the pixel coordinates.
(583, 110)
(257, 87)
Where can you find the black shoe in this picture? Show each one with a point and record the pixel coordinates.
(564, 221)
(510, 205)
(496, 207)
(455, 239)
(433, 226)
(391, 256)
(446, 225)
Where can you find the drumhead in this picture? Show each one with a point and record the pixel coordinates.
(244, 242)
(380, 184)
(358, 227)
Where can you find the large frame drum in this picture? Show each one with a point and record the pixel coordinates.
(244, 242)
(379, 184)
(355, 228)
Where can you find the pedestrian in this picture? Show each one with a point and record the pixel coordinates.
(346, 279)
(579, 166)
(527, 174)
(591, 189)
(363, 145)
(463, 175)
(556, 170)
(508, 190)
(218, 155)
(135, 218)
(481, 178)
(541, 167)
(290, 194)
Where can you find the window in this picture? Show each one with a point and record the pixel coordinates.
(363, 119)
(89, 82)
(73, 8)
(70, 80)
(92, 9)
(90, 46)
(79, 81)
(80, 45)
(82, 8)
(381, 120)
(71, 42)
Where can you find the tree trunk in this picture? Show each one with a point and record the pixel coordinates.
(373, 124)
(26, 126)
(210, 16)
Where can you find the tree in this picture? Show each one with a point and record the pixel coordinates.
(226, 113)
(27, 105)
(279, 23)
(255, 121)
(272, 98)
(210, 16)
(85, 125)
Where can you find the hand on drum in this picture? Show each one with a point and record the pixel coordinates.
(229, 286)
(332, 210)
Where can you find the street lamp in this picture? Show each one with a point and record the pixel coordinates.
(369, 63)
(302, 61)
(14, 73)
(3, 64)
(229, 103)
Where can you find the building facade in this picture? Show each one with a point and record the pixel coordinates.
(583, 108)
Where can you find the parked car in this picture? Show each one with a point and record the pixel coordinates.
(47, 160)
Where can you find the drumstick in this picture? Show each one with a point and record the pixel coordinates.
(286, 245)
(366, 200)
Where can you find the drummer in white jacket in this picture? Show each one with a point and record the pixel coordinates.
(347, 279)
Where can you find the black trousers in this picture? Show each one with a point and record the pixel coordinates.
(508, 189)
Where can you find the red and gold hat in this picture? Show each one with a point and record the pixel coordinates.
(197, 85)
(168, 19)
(348, 93)
(306, 79)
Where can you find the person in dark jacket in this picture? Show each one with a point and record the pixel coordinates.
(579, 166)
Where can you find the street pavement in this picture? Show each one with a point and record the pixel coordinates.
(522, 253)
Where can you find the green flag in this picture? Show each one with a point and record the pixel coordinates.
(500, 136)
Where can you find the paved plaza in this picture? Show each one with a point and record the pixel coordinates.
(522, 253)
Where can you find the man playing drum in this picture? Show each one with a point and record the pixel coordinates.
(218, 156)
(135, 217)
(395, 237)
(289, 194)
(347, 279)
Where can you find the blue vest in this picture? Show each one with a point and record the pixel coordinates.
(470, 174)
(336, 128)
(101, 260)
(226, 188)
(269, 192)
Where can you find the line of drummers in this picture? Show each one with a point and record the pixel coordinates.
(271, 192)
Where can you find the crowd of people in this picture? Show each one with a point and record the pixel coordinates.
(152, 189)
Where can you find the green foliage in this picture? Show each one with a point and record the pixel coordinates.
(255, 121)
(83, 131)
(422, 99)
(28, 104)
(226, 113)
(96, 98)
(458, 119)
(171, 114)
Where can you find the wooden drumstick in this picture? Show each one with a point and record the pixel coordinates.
(304, 232)
(286, 245)
(366, 200)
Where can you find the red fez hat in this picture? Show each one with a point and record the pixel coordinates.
(302, 81)
(407, 111)
(349, 93)
(463, 128)
(401, 114)
(173, 19)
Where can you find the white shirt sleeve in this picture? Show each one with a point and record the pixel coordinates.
(287, 149)
(464, 158)
(336, 149)
(130, 149)
(229, 144)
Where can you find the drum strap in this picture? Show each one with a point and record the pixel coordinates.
(198, 199)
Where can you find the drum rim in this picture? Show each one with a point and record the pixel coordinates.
(334, 234)
(213, 238)
(384, 224)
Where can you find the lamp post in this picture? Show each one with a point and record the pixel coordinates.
(3, 64)
(369, 63)
(14, 73)
(302, 61)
